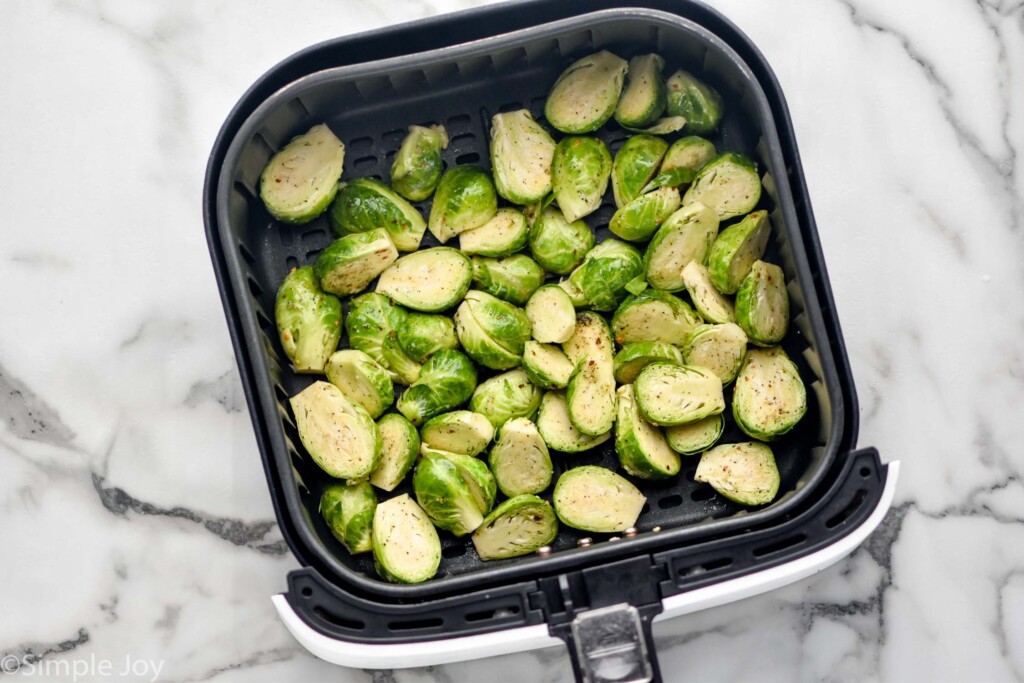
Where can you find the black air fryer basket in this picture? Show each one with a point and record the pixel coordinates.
(459, 70)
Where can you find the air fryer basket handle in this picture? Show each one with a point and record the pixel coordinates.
(613, 644)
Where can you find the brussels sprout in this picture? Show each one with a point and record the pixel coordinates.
(460, 431)
(736, 249)
(430, 280)
(762, 304)
(299, 182)
(558, 245)
(362, 380)
(590, 397)
(371, 324)
(636, 163)
(493, 332)
(686, 236)
(635, 356)
(708, 301)
(643, 98)
(697, 102)
(637, 220)
(600, 281)
(503, 235)
(669, 394)
(478, 479)
(446, 381)
(349, 264)
(642, 449)
(308, 321)
(520, 459)
(519, 526)
(546, 365)
(579, 175)
(551, 314)
(505, 396)
(348, 511)
(719, 348)
(521, 153)
(339, 435)
(745, 473)
(592, 498)
(586, 93)
(400, 446)
(403, 369)
(513, 278)
(465, 199)
(637, 284)
(367, 204)
(406, 548)
(728, 184)
(770, 397)
(417, 166)
(444, 495)
(653, 315)
(688, 154)
(558, 431)
(692, 438)
(590, 338)
(663, 126)
(421, 335)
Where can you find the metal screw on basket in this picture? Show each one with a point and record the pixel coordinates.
(614, 538)
(584, 542)
(656, 529)
(630, 532)
(544, 550)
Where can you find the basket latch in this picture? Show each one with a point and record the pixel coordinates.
(610, 645)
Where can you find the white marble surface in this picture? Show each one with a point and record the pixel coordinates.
(134, 517)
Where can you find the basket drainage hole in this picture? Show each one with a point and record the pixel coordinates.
(703, 493)
(704, 567)
(415, 624)
(844, 514)
(306, 592)
(468, 158)
(865, 472)
(673, 501)
(336, 620)
(779, 546)
(484, 615)
(455, 550)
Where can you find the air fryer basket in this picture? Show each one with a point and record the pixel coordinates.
(369, 106)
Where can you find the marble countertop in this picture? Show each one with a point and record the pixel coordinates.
(134, 517)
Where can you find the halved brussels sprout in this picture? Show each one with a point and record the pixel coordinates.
(546, 365)
(403, 369)
(694, 100)
(520, 459)
(558, 245)
(417, 166)
(590, 397)
(688, 154)
(586, 93)
(728, 184)
(444, 495)
(465, 199)
(654, 315)
(478, 478)
(372, 320)
(635, 164)
(558, 431)
(300, 181)
(521, 153)
(430, 280)
(770, 397)
(446, 381)
(503, 235)
(406, 548)
(460, 431)
(643, 99)
(762, 304)
(736, 249)
(348, 510)
(339, 435)
(579, 175)
(600, 281)
(366, 204)
(513, 278)
(640, 218)
(493, 332)
(593, 498)
(400, 446)
(350, 263)
(362, 380)
(719, 348)
(551, 314)
(687, 235)
(709, 302)
(308, 321)
(641, 447)
(669, 394)
(590, 338)
(421, 335)
(519, 526)
(635, 356)
(745, 473)
(506, 396)
(695, 437)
